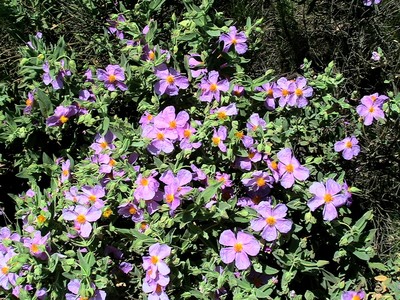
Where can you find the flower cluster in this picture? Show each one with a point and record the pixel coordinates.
(157, 272)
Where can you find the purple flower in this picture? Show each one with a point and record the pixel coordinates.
(237, 39)
(259, 180)
(245, 163)
(5, 239)
(113, 28)
(349, 146)
(271, 220)
(161, 139)
(130, 210)
(370, 109)
(238, 91)
(7, 279)
(290, 168)
(146, 187)
(255, 122)
(125, 267)
(331, 196)
(283, 90)
(92, 196)
(166, 120)
(238, 248)
(155, 262)
(301, 93)
(170, 81)
(58, 82)
(182, 178)
(65, 173)
(224, 111)
(371, 2)
(196, 65)
(185, 135)
(211, 87)
(37, 245)
(29, 103)
(112, 77)
(87, 95)
(156, 288)
(218, 138)
(82, 217)
(268, 88)
(150, 55)
(353, 295)
(103, 143)
(375, 56)
(61, 115)
(74, 287)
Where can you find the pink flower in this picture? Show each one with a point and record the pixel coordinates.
(211, 87)
(237, 39)
(112, 77)
(255, 122)
(353, 295)
(218, 138)
(146, 187)
(238, 248)
(283, 90)
(170, 81)
(82, 218)
(290, 168)
(65, 174)
(331, 197)
(155, 262)
(224, 111)
(349, 146)
(370, 109)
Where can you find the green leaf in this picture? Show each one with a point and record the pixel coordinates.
(44, 103)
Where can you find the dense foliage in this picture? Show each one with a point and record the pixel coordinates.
(154, 158)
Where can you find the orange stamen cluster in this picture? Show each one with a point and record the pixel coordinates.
(213, 87)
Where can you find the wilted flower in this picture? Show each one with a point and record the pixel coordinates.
(238, 248)
(113, 28)
(112, 77)
(349, 146)
(170, 81)
(271, 220)
(331, 196)
(237, 39)
(371, 2)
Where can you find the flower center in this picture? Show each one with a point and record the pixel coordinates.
(152, 55)
(170, 79)
(149, 117)
(170, 198)
(187, 133)
(289, 168)
(256, 199)
(216, 140)
(348, 144)
(63, 119)
(132, 210)
(65, 172)
(92, 198)
(158, 289)
(285, 92)
(270, 92)
(239, 134)
(35, 248)
(299, 92)
(271, 221)
(112, 78)
(144, 182)
(103, 145)
(328, 198)
(112, 162)
(222, 115)
(234, 41)
(83, 298)
(28, 102)
(172, 124)
(274, 165)
(371, 109)
(251, 155)
(41, 218)
(356, 297)
(81, 219)
(373, 98)
(238, 247)
(160, 136)
(213, 87)
(154, 259)
(5, 270)
(260, 181)
(107, 212)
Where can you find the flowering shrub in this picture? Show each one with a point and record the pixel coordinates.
(176, 175)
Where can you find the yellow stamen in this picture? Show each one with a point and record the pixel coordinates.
(270, 93)
(81, 219)
(28, 102)
(104, 145)
(112, 162)
(251, 155)
(348, 144)
(373, 98)
(260, 182)
(299, 92)
(107, 212)
(144, 182)
(5, 270)
(238, 247)
(160, 136)
(213, 87)
(328, 198)
(34, 248)
(239, 134)
(149, 117)
(169, 198)
(216, 140)
(285, 92)
(271, 221)
(41, 219)
(172, 124)
(187, 133)
(371, 109)
(234, 41)
(92, 198)
(154, 259)
(65, 172)
(289, 168)
(170, 79)
(256, 199)
(63, 119)
(132, 210)
(356, 297)
(152, 55)
(221, 115)
(274, 165)
(112, 78)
